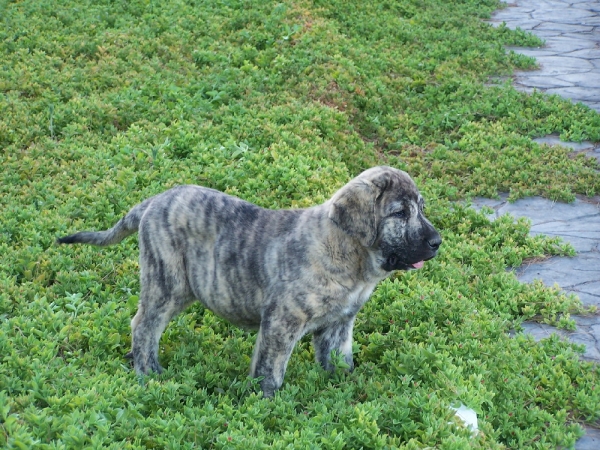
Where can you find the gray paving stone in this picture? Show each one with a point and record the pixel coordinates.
(540, 331)
(594, 105)
(548, 69)
(596, 152)
(547, 34)
(522, 23)
(571, 16)
(553, 139)
(533, 52)
(591, 351)
(563, 64)
(514, 12)
(586, 79)
(588, 299)
(581, 94)
(542, 82)
(591, 36)
(565, 27)
(585, 53)
(588, 321)
(569, 65)
(591, 440)
(527, 89)
(577, 223)
(580, 238)
(573, 275)
(539, 210)
(594, 21)
(596, 64)
(565, 44)
(589, 293)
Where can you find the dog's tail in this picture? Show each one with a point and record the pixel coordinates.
(123, 228)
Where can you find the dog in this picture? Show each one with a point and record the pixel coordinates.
(286, 273)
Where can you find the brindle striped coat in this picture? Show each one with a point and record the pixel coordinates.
(284, 272)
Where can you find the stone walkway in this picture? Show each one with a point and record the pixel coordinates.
(570, 67)
(570, 60)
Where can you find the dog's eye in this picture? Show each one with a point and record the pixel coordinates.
(399, 214)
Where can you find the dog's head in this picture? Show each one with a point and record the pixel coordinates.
(383, 209)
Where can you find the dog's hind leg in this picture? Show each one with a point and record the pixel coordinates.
(164, 294)
(154, 313)
(147, 327)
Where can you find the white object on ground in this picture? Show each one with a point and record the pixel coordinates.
(468, 417)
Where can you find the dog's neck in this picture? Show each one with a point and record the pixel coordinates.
(347, 252)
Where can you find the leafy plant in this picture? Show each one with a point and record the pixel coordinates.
(103, 104)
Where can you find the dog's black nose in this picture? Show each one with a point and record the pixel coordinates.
(435, 242)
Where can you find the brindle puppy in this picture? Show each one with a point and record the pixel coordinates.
(285, 272)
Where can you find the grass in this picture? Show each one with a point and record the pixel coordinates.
(105, 103)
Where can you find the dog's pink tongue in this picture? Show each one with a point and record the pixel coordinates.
(419, 264)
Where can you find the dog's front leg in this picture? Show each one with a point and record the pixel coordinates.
(274, 345)
(336, 336)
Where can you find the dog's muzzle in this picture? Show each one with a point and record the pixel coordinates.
(428, 250)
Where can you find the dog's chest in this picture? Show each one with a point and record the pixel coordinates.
(357, 298)
(341, 309)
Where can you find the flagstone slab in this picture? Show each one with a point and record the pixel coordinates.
(585, 53)
(569, 66)
(588, 338)
(564, 44)
(594, 105)
(579, 94)
(583, 79)
(592, 36)
(563, 64)
(534, 52)
(554, 139)
(544, 82)
(565, 27)
(591, 440)
(571, 16)
(577, 223)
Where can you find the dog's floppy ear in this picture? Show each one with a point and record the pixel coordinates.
(353, 210)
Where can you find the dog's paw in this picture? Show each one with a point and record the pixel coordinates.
(145, 366)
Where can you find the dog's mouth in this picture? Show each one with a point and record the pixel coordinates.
(418, 265)
(394, 263)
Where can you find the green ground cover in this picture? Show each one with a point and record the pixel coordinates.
(105, 103)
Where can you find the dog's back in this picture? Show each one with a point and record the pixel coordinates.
(210, 246)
